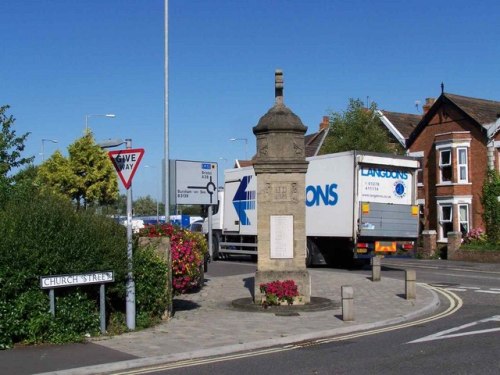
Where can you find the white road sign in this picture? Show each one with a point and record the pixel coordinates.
(59, 281)
(195, 182)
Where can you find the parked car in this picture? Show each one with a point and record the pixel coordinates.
(137, 224)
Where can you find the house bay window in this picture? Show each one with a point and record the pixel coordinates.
(453, 159)
(445, 170)
(463, 210)
(462, 165)
(445, 220)
(450, 220)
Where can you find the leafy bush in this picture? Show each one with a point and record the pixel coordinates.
(151, 281)
(41, 234)
(477, 239)
(475, 235)
(188, 252)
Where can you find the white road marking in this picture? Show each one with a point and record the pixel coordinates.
(449, 332)
(415, 265)
(488, 291)
(473, 288)
(475, 277)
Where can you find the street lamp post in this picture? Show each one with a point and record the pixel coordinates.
(109, 115)
(43, 146)
(241, 139)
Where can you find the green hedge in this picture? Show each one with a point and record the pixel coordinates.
(41, 234)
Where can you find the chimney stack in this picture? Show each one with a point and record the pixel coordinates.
(325, 123)
(428, 104)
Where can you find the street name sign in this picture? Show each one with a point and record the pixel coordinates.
(126, 163)
(195, 182)
(61, 281)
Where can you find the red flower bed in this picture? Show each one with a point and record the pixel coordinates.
(278, 292)
(187, 255)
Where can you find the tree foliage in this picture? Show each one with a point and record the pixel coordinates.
(358, 128)
(145, 206)
(11, 147)
(491, 205)
(87, 176)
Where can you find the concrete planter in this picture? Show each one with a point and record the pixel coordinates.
(299, 300)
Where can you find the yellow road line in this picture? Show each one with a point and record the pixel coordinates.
(455, 304)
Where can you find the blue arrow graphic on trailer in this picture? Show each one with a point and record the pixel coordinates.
(244, 200)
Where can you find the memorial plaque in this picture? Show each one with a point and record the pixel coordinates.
(282, 236)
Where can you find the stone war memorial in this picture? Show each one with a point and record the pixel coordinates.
(280, 168)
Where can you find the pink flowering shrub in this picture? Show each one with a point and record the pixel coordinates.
(476, 235)
(187, 255)
(279, 292)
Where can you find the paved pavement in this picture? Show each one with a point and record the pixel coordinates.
(206, 324)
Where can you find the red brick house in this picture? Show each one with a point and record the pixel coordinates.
(457, 139)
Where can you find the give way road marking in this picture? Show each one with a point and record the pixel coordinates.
(449, 332)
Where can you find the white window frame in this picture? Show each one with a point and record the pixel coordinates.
(449, 145)
(454, 201)
(445, 165)
(462, 166)
(442, 235)
(465, 220)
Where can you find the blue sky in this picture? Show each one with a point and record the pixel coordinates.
(61, 60)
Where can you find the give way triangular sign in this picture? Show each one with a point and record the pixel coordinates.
(126, 163)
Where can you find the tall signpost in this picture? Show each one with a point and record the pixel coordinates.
(195, 182)
(126, 163)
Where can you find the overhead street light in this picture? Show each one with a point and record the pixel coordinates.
(43, 146)
(241, 139)
(112, 143)
(109, 115)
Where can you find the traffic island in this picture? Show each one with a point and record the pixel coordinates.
(315, 304)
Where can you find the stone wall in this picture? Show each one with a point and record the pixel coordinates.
(476, 256)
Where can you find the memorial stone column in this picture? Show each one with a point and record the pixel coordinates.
(280, 167)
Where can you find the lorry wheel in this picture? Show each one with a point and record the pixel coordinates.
(215, 247)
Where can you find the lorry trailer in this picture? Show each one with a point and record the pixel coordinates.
(358, 205)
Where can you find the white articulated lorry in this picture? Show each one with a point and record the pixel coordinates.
(358, 205)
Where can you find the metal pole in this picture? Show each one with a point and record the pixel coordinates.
(52, 302)
(130, 294)
(166, 157)
(166, 169)
(102, 308)
(210, 239)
